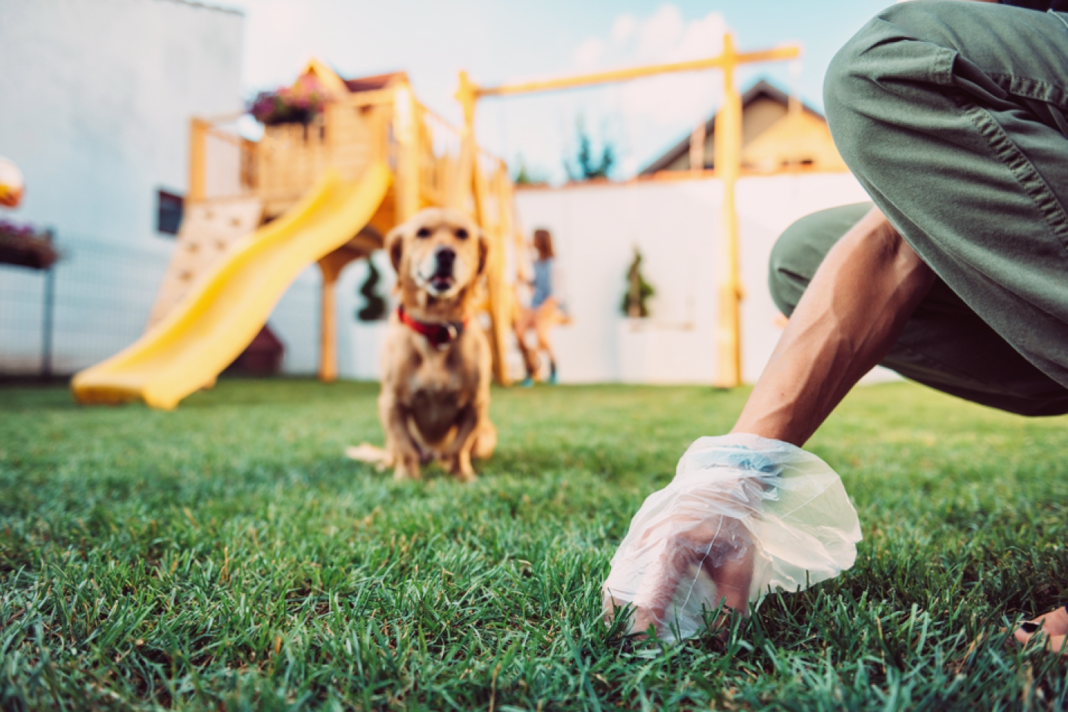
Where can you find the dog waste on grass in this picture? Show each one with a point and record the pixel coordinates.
(743, 517)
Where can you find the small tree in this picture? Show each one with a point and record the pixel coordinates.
(524, 175)
(585, 166)
(375, 306)
(635, 299)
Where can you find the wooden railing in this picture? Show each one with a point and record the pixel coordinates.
(347, 136)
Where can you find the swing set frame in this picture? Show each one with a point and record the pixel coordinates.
(728, 152)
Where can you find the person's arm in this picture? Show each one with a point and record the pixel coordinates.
(849, 317)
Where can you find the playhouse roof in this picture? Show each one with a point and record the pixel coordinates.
(336, 85)
(211, 6)
(378, 81)
(761, 90)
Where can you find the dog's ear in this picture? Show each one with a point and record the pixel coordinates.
(483, 250)
(394, 245)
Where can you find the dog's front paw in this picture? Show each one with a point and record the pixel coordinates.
(460, 468)
(407, 471)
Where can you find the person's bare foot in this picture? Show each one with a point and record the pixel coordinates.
(1053, 626)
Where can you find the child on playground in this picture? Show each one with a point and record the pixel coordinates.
(545, 310)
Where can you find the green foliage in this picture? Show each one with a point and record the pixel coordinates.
(584, 166)
(525, 175)
(636, 298)
(374, 308)
(227, 556)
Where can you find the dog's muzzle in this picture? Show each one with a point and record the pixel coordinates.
(443, 279)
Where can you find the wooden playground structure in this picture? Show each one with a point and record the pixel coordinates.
(236, 184)
(328, 188)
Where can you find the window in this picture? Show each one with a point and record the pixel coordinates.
(168, 212)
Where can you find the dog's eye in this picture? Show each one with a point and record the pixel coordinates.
(461, 233)
(423, 232)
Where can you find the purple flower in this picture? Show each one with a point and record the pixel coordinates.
(297, 103)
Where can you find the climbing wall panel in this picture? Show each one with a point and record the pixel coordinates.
(207, 232)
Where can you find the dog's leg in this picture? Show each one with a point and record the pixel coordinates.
(402, 448)
(457, 456)
(485, 441)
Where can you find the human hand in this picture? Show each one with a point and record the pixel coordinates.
(744, 515)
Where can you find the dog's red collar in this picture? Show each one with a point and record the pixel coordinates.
(440, 335)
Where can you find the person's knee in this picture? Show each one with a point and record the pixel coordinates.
(850, 89)
(802, 247)
(788, 270)
(878, 70)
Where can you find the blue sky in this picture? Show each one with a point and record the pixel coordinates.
(499, 41)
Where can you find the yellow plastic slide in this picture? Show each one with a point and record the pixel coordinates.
(225, 310)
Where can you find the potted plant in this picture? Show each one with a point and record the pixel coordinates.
(637, 342)
(369, 329)
(636, 298)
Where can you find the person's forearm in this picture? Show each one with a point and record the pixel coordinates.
(848, 319)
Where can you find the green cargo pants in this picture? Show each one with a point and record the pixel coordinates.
(954, 117)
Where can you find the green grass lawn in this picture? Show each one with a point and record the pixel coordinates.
(226, 556)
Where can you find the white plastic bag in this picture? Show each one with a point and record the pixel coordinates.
(744, 516)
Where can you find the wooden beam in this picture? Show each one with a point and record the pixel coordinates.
(621, 75)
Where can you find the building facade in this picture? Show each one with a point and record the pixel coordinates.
(97, 97)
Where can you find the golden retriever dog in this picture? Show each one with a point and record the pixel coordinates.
(436, 363)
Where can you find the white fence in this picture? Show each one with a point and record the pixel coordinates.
(677, 226)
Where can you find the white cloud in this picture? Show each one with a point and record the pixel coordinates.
(624, 27)
(589, 53)
(643, 116)
(671, 100)
(640, 118)
(658, 34)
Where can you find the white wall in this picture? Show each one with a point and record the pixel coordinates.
(676, 225)
(97, 100)
(96, 97)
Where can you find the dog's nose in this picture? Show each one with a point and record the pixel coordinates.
(445, 256)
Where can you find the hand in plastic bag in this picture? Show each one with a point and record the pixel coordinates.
(744, 516)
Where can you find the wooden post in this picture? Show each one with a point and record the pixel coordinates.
(469, 177)
(499, 296)
(330, 266)
(407, 133)
(198, 158)
(462, 183)
(728, 150)
(327, 324)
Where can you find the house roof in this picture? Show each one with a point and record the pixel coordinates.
(759, 90)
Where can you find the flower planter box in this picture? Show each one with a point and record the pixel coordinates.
(33, 252)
